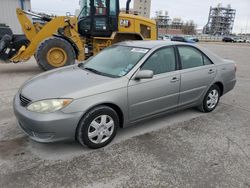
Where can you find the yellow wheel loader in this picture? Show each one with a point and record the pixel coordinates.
(57, 41)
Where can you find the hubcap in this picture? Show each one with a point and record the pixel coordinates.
(56, 57)
(212, 99)
(101, 129)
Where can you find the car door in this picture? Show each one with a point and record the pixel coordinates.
(197, 74)
(160, 93)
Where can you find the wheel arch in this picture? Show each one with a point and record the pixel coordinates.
(221, 86)
(115, 107)
(118, 111)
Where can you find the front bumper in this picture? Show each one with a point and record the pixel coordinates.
(46, 128)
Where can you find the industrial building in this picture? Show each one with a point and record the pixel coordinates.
(143, 7)
(8, 13)
(166, 25)
(220, 20)
(162, 19)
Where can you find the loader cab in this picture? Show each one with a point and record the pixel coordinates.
(98, 18)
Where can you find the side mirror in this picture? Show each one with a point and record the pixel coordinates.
(144, 74)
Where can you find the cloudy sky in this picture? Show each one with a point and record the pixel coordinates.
(196, 10)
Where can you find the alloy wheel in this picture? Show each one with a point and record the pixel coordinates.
(212, 99)
(101, 129)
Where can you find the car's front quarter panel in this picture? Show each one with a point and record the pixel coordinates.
(62, 124)
(117, 97)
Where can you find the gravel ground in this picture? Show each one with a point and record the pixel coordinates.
(184, 149)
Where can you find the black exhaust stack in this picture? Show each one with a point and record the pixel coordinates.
(127, 6)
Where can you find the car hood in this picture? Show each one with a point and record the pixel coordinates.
(68, 82)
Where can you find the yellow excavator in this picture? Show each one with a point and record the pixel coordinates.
(57, 41)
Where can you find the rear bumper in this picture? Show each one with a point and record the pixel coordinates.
(46, 128)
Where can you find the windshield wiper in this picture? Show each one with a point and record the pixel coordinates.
(96, 71)
(99, 73)
(93, 70)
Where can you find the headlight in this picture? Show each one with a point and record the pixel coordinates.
(49, 105)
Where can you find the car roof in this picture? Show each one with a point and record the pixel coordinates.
(150, 44)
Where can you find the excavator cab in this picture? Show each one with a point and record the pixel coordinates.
(98, 18)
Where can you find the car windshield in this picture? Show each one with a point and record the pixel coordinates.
(115, 61)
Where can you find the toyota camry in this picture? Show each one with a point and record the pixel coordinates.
(125, 83)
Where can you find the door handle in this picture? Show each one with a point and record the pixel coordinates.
(174, 79)
(211, 71)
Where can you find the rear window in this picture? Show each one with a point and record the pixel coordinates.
(190, 57)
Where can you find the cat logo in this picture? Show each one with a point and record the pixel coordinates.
(125, 23)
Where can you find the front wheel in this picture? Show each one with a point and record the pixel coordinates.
(54, 53)
(211, 99)
(98, 127)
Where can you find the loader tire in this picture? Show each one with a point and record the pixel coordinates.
(54, 53)
(5, 30)
(39, 65)
(4, 41)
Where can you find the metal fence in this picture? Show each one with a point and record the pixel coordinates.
(209, 38)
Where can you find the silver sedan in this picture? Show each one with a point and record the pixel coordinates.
(124, 84)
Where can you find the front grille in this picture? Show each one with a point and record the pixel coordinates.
(24, 101)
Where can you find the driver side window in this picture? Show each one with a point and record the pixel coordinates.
(162, 61)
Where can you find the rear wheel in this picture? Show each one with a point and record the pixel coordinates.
(55, 52)
(211, 99)
(98, 127)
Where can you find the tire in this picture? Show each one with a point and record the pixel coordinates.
(210, 106)
(4, 41)
(4, 29)
(48, 47)
(101, 136)
(39, 65)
